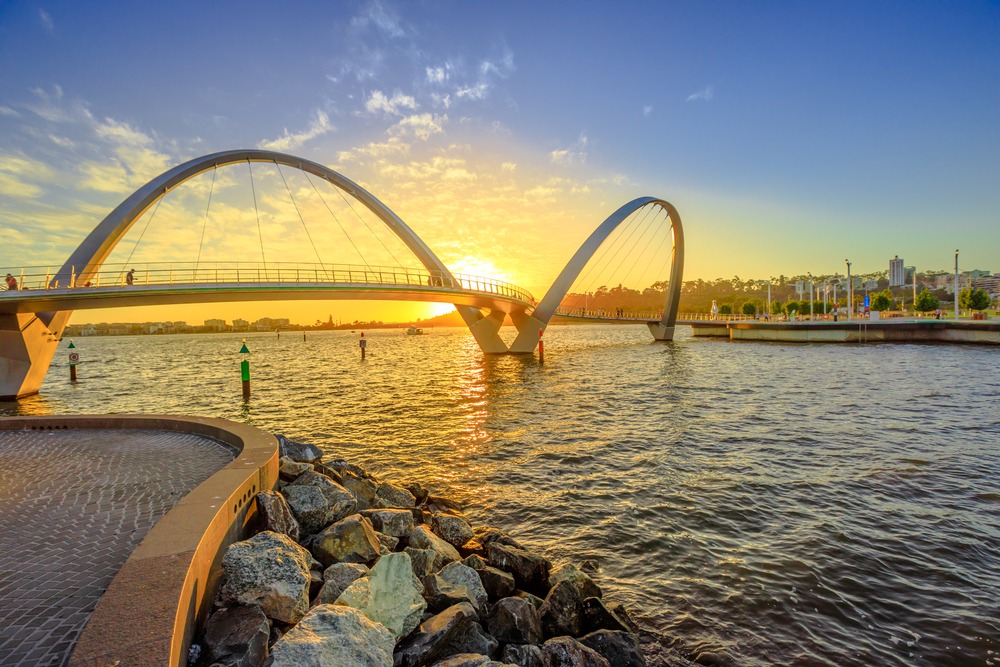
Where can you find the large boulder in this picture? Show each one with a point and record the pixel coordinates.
(394, 522)
(596, 616)
(568, 652)
(298, 451)
(453, 529)
(350, 540)
(314, 513)
(361, 488)
(515, 621)
(523, 655)
(498, 584)
(424, 561)
(576, 576)
(487, 535)
(462, 582)
(434, 638)
(388, 594)
(336, 579)
(531, 571)
(289, 470)
(268, 570)
(334, 635)
(470, 660)
(390, 495)
(561, 612)
(237, 636)
(422, 538)
(621, 649)
(275, 515)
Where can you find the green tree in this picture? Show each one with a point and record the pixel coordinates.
(926, 301)
(882, 301)
(725, 309)
(974, 299)
(790, 306)
(749, 309)
(776, 308)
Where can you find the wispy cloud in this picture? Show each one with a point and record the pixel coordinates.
(573, 156)
(7, 111)
(395, 105)
(438, 75)
(375, 15)
(706, 94)
(15, 173)
(122, 133)
(647, 110)
(421, 126)
(46, 20)
(318, 126)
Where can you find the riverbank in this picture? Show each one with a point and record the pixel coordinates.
(855, 331)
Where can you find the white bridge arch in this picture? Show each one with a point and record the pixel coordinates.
(32, 322)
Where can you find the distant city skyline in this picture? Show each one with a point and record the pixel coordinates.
(788, 135)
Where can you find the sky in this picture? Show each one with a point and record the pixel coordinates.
(788, 135)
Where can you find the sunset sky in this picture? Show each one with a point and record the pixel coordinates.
(789, 135)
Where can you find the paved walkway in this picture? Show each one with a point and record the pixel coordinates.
(74, 503)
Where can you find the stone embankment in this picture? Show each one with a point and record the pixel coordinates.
(349, 570)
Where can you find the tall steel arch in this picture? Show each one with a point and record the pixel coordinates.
(90, 255)
(663, 329)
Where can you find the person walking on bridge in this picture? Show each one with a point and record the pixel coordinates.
(130, 277)
(11, 282)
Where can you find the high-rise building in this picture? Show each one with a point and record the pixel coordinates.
(897, 273)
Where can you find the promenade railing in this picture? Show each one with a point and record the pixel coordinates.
(270, 273)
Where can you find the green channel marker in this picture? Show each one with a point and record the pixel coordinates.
(245, 370)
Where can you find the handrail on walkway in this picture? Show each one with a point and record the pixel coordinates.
(256, 273)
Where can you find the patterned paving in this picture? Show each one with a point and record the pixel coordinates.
(73, 506)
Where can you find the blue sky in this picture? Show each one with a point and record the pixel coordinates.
(788, 135)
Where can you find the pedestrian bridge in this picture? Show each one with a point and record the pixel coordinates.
(32, 318)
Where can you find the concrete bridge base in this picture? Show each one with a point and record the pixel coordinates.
(27, 345)
(660, 331)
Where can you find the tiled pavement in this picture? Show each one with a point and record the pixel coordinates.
(73, 505)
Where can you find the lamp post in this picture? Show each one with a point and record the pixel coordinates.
(850, 291)
(812, 291)
(956, 283)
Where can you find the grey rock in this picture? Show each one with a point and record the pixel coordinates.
(298, 451)
(568, 652)
(422, 538)
(498, 584)
(453, 584)
(388, 594)
(237, 636)
(343, 467)
(424, 561)
(561, 613)
(350, 540)
(621, 649)
(395, 522)
(361, 488)
(314, 515)
(269, 570)
(531, 571)
(472, 639)
(329, 472)
(470, 660)
(387, 542)
(315, 583)
(275, 515)
(334, 635)
(487, 535)
(289, 470)
(515, 621)
(337, 578)
(596, 616)
(475, 561)
(390, 495)
(523, 655)
(419, 492)
(574, 575)
(535, 601)
(434, 638)
(453, 529)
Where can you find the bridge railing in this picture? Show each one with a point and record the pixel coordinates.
(645, 316)
(249, 273)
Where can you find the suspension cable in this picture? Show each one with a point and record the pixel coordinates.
(260, 234)
(211, 191)
(301, 219)
(365, 223)
(143, 233)
(336, 219)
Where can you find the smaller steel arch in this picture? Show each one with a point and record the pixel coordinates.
(531, 326)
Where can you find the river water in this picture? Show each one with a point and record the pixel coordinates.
(753, 503)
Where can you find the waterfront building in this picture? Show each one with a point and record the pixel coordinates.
(897, 273)
(215, 325)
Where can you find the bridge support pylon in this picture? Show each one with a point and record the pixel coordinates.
(527, 332)
(660, 331)
(28, 341)
(486, 330)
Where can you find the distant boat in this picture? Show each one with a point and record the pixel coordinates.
(413, 331)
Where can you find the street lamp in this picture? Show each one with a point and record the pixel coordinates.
(850, 291)
(812, 292)
(956, 283)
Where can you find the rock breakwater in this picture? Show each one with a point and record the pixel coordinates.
(351, 570)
